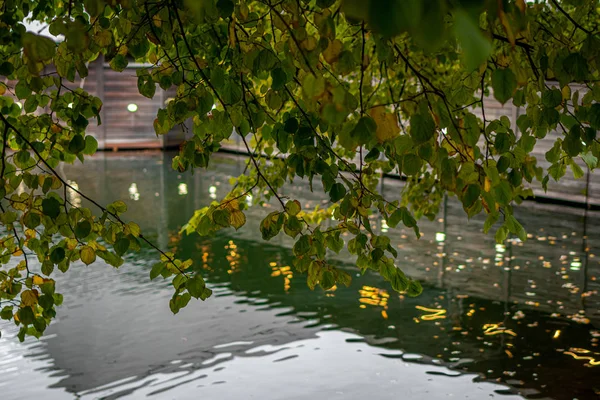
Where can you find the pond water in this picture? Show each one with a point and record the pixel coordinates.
(518, 320)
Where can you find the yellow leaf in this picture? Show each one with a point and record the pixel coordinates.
(87, 254)
(387, 123)
(29, 298)
(71, 243)
(132, 229)
(310, 43)
(232, 33)
(38, 280)
(157, 21)
(333, 51)
(232, 205)
(2, 89)
(487, 185)
(237, 219)
(566, 92)
(103, 38)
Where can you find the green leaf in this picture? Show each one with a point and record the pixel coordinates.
(504, 84)
(121, 246)
(291, 125)
(337, 192)
(364, 131)
(26, 315)
(279, 78)
(196, 286)
(302, 246)
(51, 207)
(231, 93)
(475, 47)
(552, 98)
(414, 288)
(91, 145)
(22, 90)
(6, 68)
(83, 229)
(572, 144)
(57, 255)
(146, 86)
(119, 63)
(293, 207)
(411, 164)
(395, 218)
(31, 220)
(327, 280)
(576, 66)
(156, 270)
(422, 128)
(221, 217)
(37, 47)
(77, 144)
(225, 8)
(470, 195)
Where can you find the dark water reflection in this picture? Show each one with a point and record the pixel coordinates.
(518, 320)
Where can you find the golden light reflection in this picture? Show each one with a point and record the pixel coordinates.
(233, 257)
(592, 362)
(556, 334)
(285, 271)
(375, 297)
(496, 329)
(437, 313)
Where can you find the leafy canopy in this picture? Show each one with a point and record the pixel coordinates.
(332, 91)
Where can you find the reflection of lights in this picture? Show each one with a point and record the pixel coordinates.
(18, 103)
(440, 237)
(437, 313)
(284, 271)
(575, 264)
(134, 194)
(212, 192)
(556, 334)
(233, 257)
(249, 199)
(132, 107)
(182, 189)
(70, 105)
(373, 296)
(500, 250)
(74, 197)
(384, 226)
(496, 329)
(592, 360)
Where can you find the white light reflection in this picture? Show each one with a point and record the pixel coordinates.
(134, 194)
(182, 189)
(384, 226)
(74, 197)
(212, 192)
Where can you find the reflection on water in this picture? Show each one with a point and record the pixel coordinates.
(514, 320)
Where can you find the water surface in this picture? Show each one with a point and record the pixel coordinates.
(518, 320)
